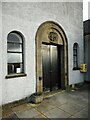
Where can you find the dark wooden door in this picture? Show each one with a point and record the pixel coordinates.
(51, 67)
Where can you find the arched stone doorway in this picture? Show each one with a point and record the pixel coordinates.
(51, 57)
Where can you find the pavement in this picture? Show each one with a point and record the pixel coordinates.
(61, 104)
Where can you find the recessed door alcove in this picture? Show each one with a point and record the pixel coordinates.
(51, 57)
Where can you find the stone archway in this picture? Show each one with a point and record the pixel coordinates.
(51, 33)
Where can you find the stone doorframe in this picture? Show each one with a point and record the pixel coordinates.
(51, 33)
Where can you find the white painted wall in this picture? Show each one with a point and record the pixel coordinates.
(26, 18)
(89, 10)
(42, 0)
(17, 88)
(0, 53)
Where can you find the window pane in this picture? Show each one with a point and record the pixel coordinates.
(15, 68)
(75, 55)
(15, 53)
(14, 47)
(75, 52)
(14, 57)
(19, 68)
(13, 37)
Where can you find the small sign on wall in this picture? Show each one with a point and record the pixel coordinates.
(18, 70)
(83, 67)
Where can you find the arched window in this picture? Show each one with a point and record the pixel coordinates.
(15, 58)
(75, 56)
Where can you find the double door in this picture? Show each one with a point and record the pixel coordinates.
(51, 66)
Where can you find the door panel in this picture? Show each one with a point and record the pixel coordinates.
(46, 66)
(51, 67)
(54, 67)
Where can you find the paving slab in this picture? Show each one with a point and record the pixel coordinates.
(13, 117)
(73, 118)
(61, 99)
(82, 114)
(45, 106)
(78, 95)
(57, 113)
(64, 105)
(79, 101)
(71, 108)
(21, 108)
(40, 116)
(31, 113)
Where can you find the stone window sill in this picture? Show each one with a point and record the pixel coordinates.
(16, 75)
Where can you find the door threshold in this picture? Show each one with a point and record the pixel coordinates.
(52, 93)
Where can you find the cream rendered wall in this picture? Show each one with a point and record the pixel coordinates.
(26, 18)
